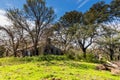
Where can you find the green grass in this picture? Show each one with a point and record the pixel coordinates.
(50, 68)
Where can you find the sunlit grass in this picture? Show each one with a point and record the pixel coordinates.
(35, 69)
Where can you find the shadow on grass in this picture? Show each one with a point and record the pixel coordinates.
(14, 60)
(71, 64)
(44, 58)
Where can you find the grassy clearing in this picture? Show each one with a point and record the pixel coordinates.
(50, 68)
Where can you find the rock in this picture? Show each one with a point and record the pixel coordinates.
(117, 63)
(101, 67)
(113, 67)
(110, 64)
(115, 71)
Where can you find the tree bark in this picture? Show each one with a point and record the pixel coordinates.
(111, 54)
(36, 50)
(84, 52)
(15, 54)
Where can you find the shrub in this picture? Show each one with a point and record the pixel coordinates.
(43, 58)
(70, 54)
(91, 58)
(51, 57)
(76, 55)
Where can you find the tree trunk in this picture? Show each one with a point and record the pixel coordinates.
(111, 54)
(6, 53)
(119, 57)
(35, 49)
(84, 52)
(15, 54)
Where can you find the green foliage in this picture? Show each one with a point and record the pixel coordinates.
(109, 40)
(85, 35)
(115, 8)
(76, 55)
(97, 13)
(83, 32)
(91, 58)
(70, 18)
(71, 54)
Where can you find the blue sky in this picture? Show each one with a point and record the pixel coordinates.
(60, 6)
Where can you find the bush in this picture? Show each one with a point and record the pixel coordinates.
(70, 54)
(51, 57)
(91, 58)
(43, 58)
(74, 55)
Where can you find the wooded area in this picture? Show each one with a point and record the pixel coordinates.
(33, 31)
(77, 44)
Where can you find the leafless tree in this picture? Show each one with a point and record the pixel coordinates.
(34, 18)
(12, 38)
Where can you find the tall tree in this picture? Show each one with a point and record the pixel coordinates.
(64, 28)
(87, 29)
(110, 28)
(85, 35)
(109, 39)
(34, 18)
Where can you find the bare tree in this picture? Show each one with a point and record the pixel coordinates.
(34, 18)
(13, 39)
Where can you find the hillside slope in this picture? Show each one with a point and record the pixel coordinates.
(33, 68)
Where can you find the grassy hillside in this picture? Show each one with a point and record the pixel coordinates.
(50, 68)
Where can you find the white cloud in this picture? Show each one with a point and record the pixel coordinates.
(3, 19)
(82, 3)
(2, 12)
